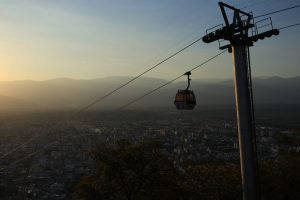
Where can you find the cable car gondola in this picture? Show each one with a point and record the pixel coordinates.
(185, 99)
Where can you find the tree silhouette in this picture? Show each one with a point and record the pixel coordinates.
(214, 181)
(131, 172)
(140, 171)
(281, 178)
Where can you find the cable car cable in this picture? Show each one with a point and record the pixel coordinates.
(51, 143)
(277, 11)
(18, 147)
(253, 125)
(29, 155)
(285, 27)
(87, 106)
(110, 93)
(54, 142)
(171, 81)
(136, 77)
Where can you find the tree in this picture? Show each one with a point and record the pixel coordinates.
(281, 178)
(9, 191)
(214, 181)
(131, 172)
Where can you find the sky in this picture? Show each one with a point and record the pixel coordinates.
(89, 39)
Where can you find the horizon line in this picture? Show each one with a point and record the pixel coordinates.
(90, 79)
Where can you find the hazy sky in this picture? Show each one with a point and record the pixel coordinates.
(98, 38)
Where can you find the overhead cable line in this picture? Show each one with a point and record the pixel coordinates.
(108, 94)
(87, 106)
(167, 83)
(133, 101)
(123, 85)
(17, 148)
(54, 142)
(285, 27)
(28, 155)
(253, 124)
(136, 77)
(277, 11)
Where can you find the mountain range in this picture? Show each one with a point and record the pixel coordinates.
(66, 93)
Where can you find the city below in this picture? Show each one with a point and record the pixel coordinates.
(43, 155)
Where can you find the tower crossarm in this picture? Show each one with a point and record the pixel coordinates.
(236, 31)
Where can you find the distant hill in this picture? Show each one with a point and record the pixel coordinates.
(65, 93)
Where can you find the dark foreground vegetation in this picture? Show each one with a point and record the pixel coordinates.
(141, 171)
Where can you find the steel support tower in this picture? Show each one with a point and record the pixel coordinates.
(237, 36)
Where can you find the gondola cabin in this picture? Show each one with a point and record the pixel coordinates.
(185, 100)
